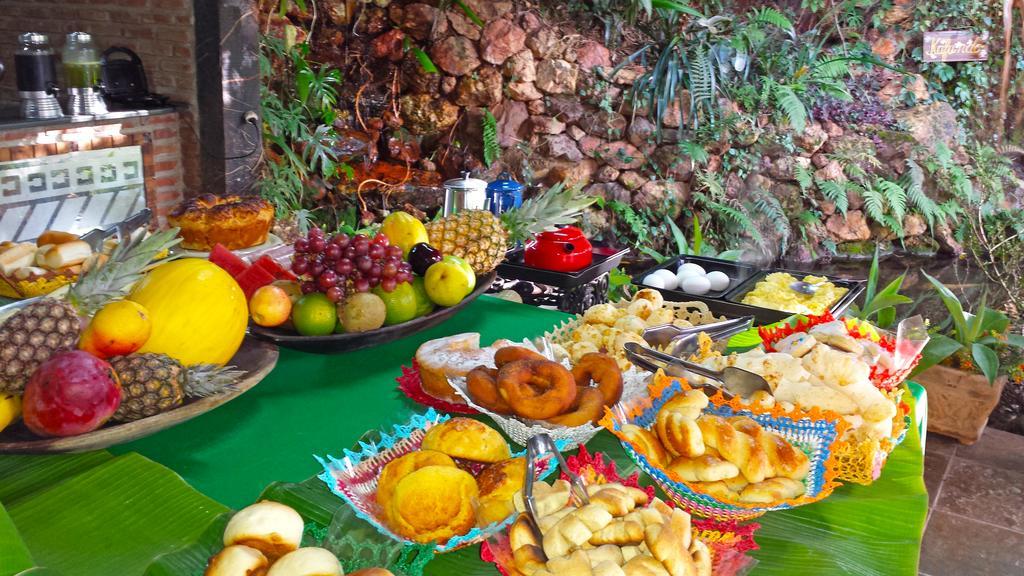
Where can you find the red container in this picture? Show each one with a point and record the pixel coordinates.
(563, 250)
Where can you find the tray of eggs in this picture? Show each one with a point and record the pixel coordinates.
(734, 289)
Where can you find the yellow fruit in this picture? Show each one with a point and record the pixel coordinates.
(118, 329)
(10, 409)
(198, 311)
(404, 231)
(270, 306)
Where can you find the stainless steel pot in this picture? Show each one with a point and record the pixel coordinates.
(464, 194)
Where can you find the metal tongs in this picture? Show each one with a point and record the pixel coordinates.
(536, 447)
(734, 381)
(684, 340)
(122, 230)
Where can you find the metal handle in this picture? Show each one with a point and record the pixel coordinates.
(536, 447)
(646, 358)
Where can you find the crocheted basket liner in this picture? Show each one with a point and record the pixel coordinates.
(815, 431)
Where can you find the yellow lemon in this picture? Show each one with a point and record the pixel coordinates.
(404, 230)
(10, 409)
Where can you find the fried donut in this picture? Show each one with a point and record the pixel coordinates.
(482, 387)
(604, 371)
(536, 389)
(590, 410)
(513, 353)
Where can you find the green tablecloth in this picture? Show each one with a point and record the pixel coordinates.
(314, 404)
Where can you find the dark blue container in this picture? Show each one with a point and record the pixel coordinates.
(504, 194)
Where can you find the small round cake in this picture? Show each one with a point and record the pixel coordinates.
(233, 221)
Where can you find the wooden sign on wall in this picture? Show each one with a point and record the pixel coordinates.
(955, 46)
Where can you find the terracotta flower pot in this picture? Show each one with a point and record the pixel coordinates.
(959, 402)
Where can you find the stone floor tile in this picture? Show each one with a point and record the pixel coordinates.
(957, 546)
(996, 448)
(935, 466)
(980, 492)
(939, 444)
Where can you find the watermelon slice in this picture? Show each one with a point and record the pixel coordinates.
(253, 279)
(275, 269)
(228, 260)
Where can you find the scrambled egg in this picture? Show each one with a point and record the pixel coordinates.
(774, 292)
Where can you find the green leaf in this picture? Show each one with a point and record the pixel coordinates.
(795, 111)
(993, 321)
(956, 310)
(492, 149)
(1015, 340)
(425, 62)
(938, 348)
(731, 255)
(869, 293)
(658, 256)
(678, 236)
(836, 193)
(674, 6)
(974, 321)
(698, 236)
(886, 317)
(469, 13)
(304, 80)
(987, 360)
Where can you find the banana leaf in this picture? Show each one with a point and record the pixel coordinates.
(113, 518)
(23, 475)
(14, 555)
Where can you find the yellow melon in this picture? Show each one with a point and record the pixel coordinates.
(198, 311)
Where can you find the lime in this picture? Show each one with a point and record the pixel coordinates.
(314, 315)
(424, 305)
(400, 303)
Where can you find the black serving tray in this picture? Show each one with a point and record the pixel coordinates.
(336, 343)
(854, 290)
(736, 271)
(605, 259)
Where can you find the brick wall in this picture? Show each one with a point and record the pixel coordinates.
(161, 32)
(157, 135)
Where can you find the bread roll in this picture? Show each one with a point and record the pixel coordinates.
(237, 560)
(647, 443)
(706, 468)
(55, 256)
(498, 484)
(270, 527)
(17, 256)
(403, 466)
(55, 237)
(433, 504)
(307, 562)
(467, 439)
(771, 491)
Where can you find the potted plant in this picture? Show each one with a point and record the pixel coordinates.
(960, 367)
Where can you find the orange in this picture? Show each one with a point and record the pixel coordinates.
(119, 328)
(314, 315)
(270, 306)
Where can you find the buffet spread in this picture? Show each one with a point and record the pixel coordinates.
(480, 461)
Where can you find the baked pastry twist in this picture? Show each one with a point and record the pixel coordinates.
(736, 447)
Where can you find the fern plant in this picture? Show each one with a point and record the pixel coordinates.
(492, 150)
(835, 192)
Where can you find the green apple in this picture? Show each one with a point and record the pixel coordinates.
(449, 281)
(400, 303)
(424, 305)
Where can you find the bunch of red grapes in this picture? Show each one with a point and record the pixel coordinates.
(341, 265)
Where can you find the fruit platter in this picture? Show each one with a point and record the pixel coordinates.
(339, 292)
(134, 346)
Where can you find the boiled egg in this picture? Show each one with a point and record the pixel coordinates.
(719, 280)
(696, 285)
(654, 280)
(670, 279)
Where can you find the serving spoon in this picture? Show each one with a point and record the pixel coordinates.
(803, 287)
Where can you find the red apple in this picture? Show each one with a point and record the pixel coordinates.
(71, 393)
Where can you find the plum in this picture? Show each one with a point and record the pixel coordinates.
(71, 393)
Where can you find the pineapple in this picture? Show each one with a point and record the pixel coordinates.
(154, 383)
(41, 329)
(481, 239)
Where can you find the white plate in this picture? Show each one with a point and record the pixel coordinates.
(272, 241)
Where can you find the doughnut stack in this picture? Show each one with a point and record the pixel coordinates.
(528, 385)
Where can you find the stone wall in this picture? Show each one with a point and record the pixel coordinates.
(161, 32)
(562, 116)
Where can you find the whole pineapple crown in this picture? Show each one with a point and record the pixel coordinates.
(557, 206)
(125, 267)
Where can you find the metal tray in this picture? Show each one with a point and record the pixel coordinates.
(854, 290)
(605, 259)
(736, 271)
